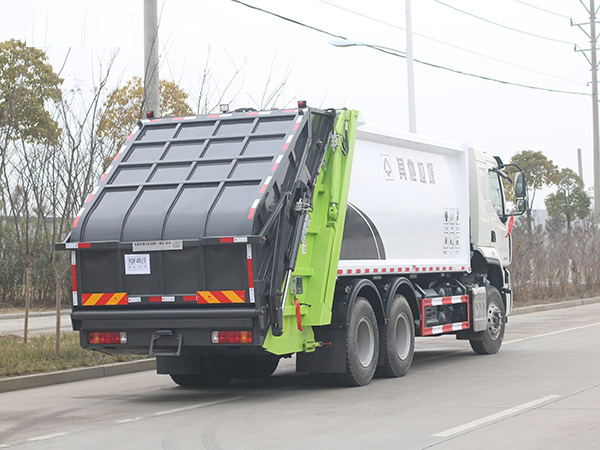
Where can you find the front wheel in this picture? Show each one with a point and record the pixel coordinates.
(362, 345)
(490, 340)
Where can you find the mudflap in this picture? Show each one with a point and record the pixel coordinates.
(330, 357)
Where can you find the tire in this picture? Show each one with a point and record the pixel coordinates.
(362, 345)
(182, 380)
(398, 346)
(325, 379)
(218, 370)
(490, 340)
(256, 366)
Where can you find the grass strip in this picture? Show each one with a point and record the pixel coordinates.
(38, 355)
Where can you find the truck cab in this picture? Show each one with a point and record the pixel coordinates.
(491, 220)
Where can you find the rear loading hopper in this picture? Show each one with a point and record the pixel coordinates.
(194, 228)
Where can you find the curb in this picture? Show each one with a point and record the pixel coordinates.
(552, 306)
(87, 373)
(33, 314)
(79, 374)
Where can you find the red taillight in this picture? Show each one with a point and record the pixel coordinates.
(107, 337)
(231, 337)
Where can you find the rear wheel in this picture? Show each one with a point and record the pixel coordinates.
(256, 366)
(362, 345)
(399, 339)
(217, 370)
(490, 340)
(183, 380)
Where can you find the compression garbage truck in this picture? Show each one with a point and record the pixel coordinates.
(221, 243)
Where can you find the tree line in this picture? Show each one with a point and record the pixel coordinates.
(55, 143)
(556, 257)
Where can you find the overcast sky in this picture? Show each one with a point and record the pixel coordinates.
(529, 42)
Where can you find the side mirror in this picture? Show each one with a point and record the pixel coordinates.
(520, 193)
(520, 186)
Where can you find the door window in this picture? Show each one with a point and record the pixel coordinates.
(496, 193)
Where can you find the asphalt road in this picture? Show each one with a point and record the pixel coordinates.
(542, 391)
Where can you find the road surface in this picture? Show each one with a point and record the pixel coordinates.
(542, 391)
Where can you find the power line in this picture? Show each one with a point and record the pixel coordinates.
(503, 26)
(450, 45)
(401, 55)
(542, 9)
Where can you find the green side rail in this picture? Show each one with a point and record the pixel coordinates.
(319, 252)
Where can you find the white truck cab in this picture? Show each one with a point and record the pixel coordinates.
(491, 221)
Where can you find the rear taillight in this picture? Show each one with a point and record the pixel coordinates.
(231, 337)
(107, 337)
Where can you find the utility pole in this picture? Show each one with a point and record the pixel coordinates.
(579, 164)
(412, 115)
(151, 79)
(594, 63)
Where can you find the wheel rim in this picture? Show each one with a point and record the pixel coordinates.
(365, 340)
(402, 336)
(495, 320)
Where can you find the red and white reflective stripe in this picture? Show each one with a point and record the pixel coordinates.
(91, 196)
(233, 240)
(75, 245)
(297, 123)
(264, 113)
(250, 273)
(131, 136)
(105, 174)
(253, 209)
(369, 270)
(118, 155)
(265, 184)
(288, 111)
(277, 161)
(449, 328)
(218, 116)
(287, 142)
(76, 221)
(403, 269)
(74, 276)
(184, 118)
(437, 301)
(162, 299)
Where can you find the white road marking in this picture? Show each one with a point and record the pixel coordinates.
(495, 417)
(551, 333)
(129, 420)
(46, 437)
(196, 406)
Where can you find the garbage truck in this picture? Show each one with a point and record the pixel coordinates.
(221, 243)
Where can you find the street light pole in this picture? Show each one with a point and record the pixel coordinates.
(151, 79)
(412, 115)
(595, 112)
